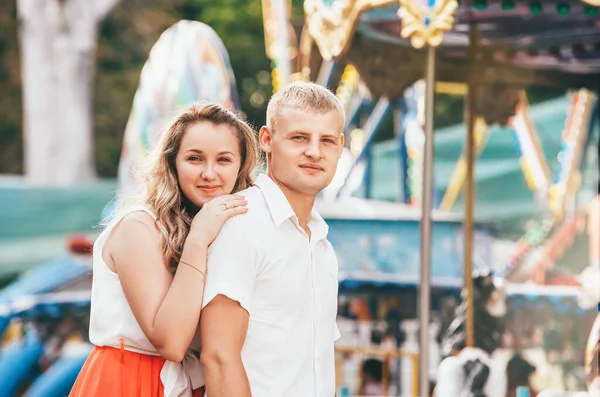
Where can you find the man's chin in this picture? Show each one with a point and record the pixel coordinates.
(309, 189)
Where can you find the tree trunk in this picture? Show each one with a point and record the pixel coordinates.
(58, 43)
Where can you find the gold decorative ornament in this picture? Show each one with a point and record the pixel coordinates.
(414, 18)
(332, 27)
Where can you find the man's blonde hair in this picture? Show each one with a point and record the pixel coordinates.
(304, 96)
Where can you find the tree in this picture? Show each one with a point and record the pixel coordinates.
(58, 43)
(124, 39)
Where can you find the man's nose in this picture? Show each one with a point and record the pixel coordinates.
(314, 150)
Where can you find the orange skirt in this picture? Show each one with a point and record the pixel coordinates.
(121, 373)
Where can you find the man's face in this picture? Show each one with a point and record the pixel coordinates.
(303, 149)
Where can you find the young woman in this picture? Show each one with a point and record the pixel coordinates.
(150, 261)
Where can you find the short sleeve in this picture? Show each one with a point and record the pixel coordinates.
(336, 332)
(232, 266)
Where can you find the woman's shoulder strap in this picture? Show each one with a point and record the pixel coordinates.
(118, 216)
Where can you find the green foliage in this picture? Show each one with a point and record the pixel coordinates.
(125, 39)
(11, 141)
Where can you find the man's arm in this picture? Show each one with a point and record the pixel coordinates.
(223, 327)
(232, 270)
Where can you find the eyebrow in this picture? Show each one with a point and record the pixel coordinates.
(219, 154)
(297, 132)
(300, 132)
(330, 136)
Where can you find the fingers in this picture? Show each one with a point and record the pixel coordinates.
(235, 203)
(232, 201)
(235, 211)
(226, 198)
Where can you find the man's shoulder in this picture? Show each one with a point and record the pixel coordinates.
(257, 215)
(242, 230)
(257, 205)
(253, 195)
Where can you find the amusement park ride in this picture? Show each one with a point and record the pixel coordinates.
(380, 57)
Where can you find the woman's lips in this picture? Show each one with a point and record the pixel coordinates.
(208, 189)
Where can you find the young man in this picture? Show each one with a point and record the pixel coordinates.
(270, 300)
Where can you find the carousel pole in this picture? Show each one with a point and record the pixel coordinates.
(426, 24)
(470, 188)
(426, 223)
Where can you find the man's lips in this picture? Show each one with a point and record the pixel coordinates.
(313, 167)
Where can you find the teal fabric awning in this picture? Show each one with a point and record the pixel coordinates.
(502, 195)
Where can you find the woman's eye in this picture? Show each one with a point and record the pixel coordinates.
(194, 158)
(225, 160)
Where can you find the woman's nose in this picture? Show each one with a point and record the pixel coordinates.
(208, 172)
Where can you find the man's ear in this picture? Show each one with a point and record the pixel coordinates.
(342, 140)
(265, 139)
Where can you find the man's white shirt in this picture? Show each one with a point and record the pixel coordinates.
(288, 284)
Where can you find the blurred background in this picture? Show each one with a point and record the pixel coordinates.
(86, 87)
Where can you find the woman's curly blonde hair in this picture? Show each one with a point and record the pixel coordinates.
(161, 187)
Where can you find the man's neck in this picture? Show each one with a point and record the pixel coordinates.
(301, 204)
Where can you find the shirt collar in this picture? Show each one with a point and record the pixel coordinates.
(281, 210)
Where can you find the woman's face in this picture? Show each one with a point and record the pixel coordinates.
(208, 161)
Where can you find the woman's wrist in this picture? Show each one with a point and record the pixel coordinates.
(194, 254)
(196, 268)
(196, 241)
(194, 248)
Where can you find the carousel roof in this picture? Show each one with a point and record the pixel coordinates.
(548, 42)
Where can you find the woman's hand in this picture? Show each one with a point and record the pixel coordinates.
(208, 222)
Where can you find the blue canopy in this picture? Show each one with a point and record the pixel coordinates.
(387, 251)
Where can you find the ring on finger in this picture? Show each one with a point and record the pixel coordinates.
(225, 204)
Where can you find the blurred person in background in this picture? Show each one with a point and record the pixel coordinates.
(372, 380)
(149, 263)
(519, 371)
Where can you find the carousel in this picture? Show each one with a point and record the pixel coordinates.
(384, 59)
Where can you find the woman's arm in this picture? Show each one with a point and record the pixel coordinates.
(167, 307)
